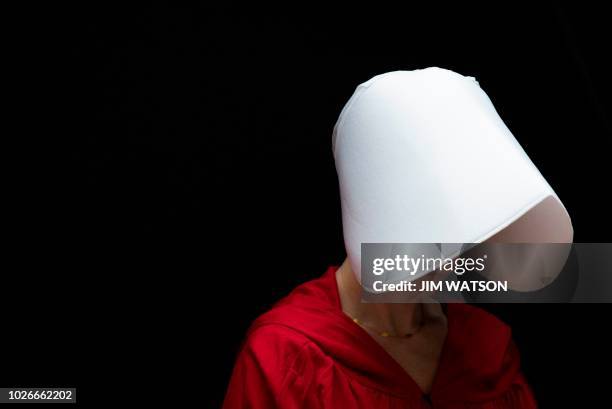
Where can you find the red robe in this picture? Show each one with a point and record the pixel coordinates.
(306, 353)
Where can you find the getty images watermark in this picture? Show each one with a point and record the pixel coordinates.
(418, 266)
(486, 272)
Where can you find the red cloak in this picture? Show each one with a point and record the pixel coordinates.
(306, 353)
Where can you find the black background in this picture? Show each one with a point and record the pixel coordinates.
(178, 178)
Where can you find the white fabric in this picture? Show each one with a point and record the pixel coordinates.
(423, 157)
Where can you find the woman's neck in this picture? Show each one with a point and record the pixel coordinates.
(401, 318)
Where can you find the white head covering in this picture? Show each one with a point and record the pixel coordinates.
(423, 157)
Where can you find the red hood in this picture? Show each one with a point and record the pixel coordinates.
(479, 360)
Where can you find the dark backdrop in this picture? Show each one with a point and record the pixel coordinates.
(189, 181)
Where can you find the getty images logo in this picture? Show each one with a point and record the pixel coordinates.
(423, 264)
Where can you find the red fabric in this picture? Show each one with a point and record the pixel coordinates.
(306, 353)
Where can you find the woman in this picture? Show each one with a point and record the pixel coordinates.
(422, 157)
